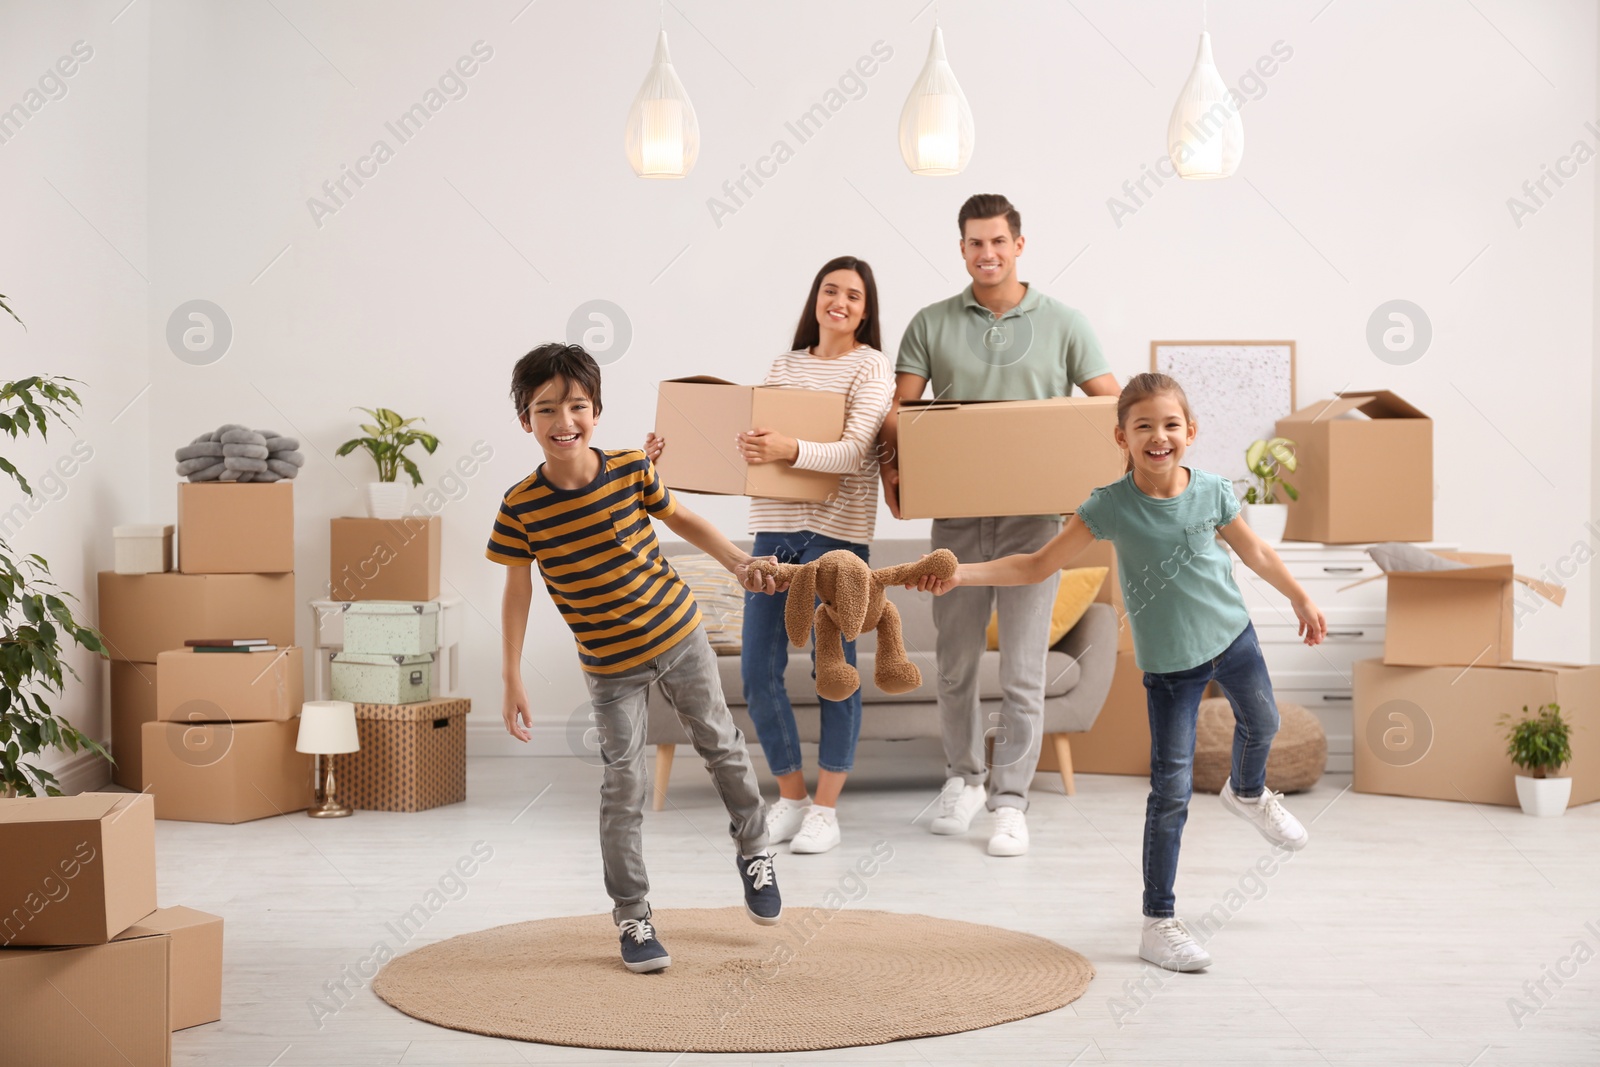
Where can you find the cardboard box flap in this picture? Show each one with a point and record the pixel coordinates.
(1547, 666)
(1324, 410)
(84, 807)
(703, 379)
(1005, 405)
(1556, 594)
(1382, 404)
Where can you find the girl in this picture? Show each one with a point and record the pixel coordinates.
(1190, 627)
(836, 349)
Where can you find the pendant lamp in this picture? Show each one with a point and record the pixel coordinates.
(663, 137)
(936, 130)
(1205, 137)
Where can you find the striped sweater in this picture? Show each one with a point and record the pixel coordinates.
(866, 378)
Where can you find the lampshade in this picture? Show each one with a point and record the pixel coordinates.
(1205, 136)
(327, 727)
(663, 136)
(936, 129)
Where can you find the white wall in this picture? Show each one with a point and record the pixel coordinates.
(1378, 165)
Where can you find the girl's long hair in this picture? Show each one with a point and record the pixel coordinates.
(1143, 387)
(808, 332)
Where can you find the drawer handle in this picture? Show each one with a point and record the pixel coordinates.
(440, 724)
(1336, 697)
(1346, 633)
(1357, 569)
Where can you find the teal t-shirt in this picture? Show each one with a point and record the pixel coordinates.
(1177, 578)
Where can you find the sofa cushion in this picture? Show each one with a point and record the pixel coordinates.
(1075, 592)
(720, 597)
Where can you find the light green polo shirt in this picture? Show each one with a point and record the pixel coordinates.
(1177, 579)
(1038, 350)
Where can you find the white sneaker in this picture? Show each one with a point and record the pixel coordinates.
(1167, 943)
(1268, 815)
(784, 819)
(818, 833)
(958, 803)
(1010, 836)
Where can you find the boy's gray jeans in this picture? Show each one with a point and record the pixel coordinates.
(687, 674)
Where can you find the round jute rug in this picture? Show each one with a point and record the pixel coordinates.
(820, 979)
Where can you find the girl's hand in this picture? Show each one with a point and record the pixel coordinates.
(1313, 627)
(759, 446)
(937, 586)
(515, 711)
(653, 446)
(757, 582)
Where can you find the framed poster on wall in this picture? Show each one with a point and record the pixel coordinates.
(1238, 390)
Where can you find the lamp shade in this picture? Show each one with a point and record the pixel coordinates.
(1205, 137)
(936, 129)
(327, 727)
(663, 136)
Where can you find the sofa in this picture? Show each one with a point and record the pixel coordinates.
(1078, 672)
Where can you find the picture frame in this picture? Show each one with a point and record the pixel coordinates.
(1238, 391)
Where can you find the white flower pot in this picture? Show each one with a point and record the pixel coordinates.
(386, 500)
(1544, 797)
(1267, 520)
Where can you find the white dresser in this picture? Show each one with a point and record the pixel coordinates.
(1318, 679)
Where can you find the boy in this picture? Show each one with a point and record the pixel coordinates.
(584, 517)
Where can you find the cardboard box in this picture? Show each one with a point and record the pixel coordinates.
(78, 870)
(413, 756)
(1459, 617)
(196, 968)
(144, 615)
(225, 772)
(1119, 743)
(1360, 479)
(700, 416)
(97, 1006)
(133, 703)
(1005, 457)
(236, 527)
(1435, 732)
(229, 686)
(384, 559)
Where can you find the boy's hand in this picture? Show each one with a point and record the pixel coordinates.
(757, 582)
(759, 446)
(937, 586)
(1313, 627)
(653, 446)
(515, 711)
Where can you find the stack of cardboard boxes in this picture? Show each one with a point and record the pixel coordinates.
(91, 971)
(211, 735)
(391, 623)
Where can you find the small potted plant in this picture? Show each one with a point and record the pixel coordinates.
(1264, 508)
(388, 437)
(1538, 744)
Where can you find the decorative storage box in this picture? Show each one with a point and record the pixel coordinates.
(366, 679)
(413, 756)
(142, 549)
(391, 627)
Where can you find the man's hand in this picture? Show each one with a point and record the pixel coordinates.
(891, 488)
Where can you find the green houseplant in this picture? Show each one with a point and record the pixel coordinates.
(1539, 744)
(35, 616)
(388, 437)
(1264, 507)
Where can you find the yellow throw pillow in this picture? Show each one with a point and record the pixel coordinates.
(1077, 591)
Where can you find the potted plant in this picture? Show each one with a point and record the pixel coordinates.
(1538, 743)
(1264, 508)
(35, 617)
(388, 437)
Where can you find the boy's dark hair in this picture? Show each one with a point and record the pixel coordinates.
(551, 361)
(989, 206)
(809, 332)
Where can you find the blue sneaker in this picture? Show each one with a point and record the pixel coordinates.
(761, 900)
(642, 951)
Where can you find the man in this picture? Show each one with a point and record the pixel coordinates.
(1001, 339)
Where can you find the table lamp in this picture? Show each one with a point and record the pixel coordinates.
(327, 727)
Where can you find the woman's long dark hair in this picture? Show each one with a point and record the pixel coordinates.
(809, 332)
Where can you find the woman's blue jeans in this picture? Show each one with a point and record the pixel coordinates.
(766, 654)
(1174, 703)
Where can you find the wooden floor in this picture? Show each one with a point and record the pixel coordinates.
(1399, 936)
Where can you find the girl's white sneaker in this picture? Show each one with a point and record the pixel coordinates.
(1167, 943)
(818, 833)
(1268, 815)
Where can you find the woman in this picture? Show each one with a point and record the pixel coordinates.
(836, 349)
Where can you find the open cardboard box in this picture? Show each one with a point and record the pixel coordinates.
(699, 417)
(1005, 457)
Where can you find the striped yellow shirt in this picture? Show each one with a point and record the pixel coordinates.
(598, 556)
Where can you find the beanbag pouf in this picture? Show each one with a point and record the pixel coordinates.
(1295, 763)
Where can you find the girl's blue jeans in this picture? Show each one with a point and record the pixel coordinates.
(1174, 704)
(766, 654)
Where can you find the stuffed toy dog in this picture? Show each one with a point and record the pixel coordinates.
(852, 601)
(235, 453)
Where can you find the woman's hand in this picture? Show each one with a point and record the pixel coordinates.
(757, 582)
(653, 446)
(759, 446)
(1313, 627)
